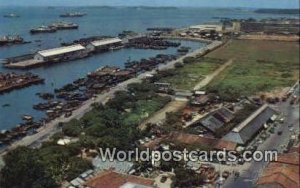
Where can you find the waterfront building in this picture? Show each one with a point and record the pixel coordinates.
(61, 53)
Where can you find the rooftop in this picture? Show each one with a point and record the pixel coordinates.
(191, 139)
(106, 41)
(281, 173)
(118, 166)
(113, 179)
(246, 130)
(61, 50)
(217, 119)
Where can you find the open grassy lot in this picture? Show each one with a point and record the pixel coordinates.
(258, 66)
(192, 72)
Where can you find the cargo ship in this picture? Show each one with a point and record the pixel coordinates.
(63, 25)
(43, 29)
(8, 39)
(11, 15)
(73, 14)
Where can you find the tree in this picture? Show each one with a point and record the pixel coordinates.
(72, 128)
(187, 178)
(24, 169)
(76, 167)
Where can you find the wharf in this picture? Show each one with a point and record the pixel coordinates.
(24, 64)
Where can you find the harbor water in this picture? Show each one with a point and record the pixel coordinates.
(98, 21)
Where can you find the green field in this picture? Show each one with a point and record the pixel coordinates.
(258, 66)
(193, 71)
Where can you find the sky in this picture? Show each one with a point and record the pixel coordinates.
(175, 3)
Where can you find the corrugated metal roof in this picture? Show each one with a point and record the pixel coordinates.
(106, 41)
(61, 50)
(249, 119)
(245, 131)
(217, 119)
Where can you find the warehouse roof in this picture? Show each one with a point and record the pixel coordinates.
(217, 119)
(106, 41)
(245, 130)
(61, 50)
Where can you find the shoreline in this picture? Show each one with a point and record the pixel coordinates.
(51, 128)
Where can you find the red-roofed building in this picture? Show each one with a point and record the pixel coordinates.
(111, 179)
(283, 173)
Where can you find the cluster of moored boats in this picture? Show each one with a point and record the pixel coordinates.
(10, 81)
(29, 126)
(63, 101)
(66, 99)
(151, 43)
(150, 63)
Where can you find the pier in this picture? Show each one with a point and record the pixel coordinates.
(84, 48)
(60, 54)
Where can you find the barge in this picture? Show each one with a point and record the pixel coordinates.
(11, 81)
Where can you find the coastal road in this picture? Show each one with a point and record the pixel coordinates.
(52, 127)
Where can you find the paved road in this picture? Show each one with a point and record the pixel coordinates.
(251, 171)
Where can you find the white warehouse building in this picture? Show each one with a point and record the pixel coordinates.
(61, 54)
(105, 44)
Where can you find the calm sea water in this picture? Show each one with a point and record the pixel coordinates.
(99, 21)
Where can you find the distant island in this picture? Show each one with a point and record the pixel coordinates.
(278, 11)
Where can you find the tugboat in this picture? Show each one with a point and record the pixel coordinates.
(73, 14)
(43, 29)
(11, 15)
(64, 25)
(11, 40)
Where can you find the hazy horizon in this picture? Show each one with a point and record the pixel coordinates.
(160, 3)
